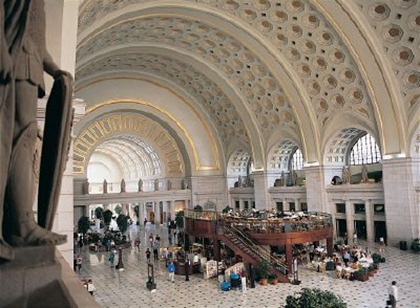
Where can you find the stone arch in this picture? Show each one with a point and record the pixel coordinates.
(102, 128)
(280, 155)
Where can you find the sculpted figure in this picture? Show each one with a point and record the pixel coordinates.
(169, 184)
(240, 181)
(346, 175)
(140, 185)
(23, 60)
(156, 184)
(105, 187)
(86, 187)
(364, 174)
(294, 177)
(122, 185)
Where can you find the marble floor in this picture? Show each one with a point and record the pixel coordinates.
(127, 288)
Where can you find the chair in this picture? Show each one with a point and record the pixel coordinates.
(338, 273)
(346, 274)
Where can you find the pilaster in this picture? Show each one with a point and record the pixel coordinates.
(315, 189)
(401, 207)
(262, 197)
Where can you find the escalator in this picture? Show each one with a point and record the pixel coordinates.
(242, 244)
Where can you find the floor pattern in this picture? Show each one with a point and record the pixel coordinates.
(127, 288)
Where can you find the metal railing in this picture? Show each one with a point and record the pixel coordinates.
(294, 223)
(260, 252)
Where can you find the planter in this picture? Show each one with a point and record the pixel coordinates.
(264, 281)
(274, 281)
(363, 277)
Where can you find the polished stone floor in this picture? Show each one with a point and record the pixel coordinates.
(127, 288)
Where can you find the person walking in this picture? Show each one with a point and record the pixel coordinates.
(171, 271)
(148, 253)
(91, 287)
(393, 294)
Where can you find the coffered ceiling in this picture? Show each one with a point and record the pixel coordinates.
(262, 72)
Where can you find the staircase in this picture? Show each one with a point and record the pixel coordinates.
(243, 244)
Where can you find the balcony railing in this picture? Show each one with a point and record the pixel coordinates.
(289, 223)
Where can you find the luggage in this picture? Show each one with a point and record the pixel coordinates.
(225, 286)
(330, 266)
(383, 260)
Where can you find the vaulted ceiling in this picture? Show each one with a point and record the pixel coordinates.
(257, 72)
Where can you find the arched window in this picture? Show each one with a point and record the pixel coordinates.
(365, 151)
(297, 160)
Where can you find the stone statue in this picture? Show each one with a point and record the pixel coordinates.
(346, 175)
(86, 187)
(184, 184)
(240, 181)
(169, 185)
(122, 185)
(140, 185)
(365, 177)
(24, 59)
(105, 187)
(294, 177)
(156, 184)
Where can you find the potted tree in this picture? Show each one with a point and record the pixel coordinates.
(415, 245)
(273, 278)
(262, 269)
(312, 298)
(362, 274)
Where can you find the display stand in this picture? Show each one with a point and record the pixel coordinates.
(211, 269)
(150, 284)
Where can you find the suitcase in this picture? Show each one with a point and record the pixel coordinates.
(225, 286)
(383, 260)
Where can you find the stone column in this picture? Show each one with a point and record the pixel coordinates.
(349, 220)
(297, 205)
(157, 213)
(172, 209)
(401, 201)
(315, 189)
(370, 230)
(262, 197)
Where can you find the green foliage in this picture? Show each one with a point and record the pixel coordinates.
(179, 219)
(93, 237)
(118, 209)
(198, 208)
(415, 245)
(122, 222)
(376, 257)
(226, 209)
(314, 298)
(107, 215)
(263, 268)
(137, 211)
(98, 212)
(83, 225)
(361, 272)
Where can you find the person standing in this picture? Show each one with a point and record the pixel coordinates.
(79, 262)
(112, 257)
(381, 246)
(393, 294)
(355, 242)
(171, 271)
(187, 269)
(145, 222)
